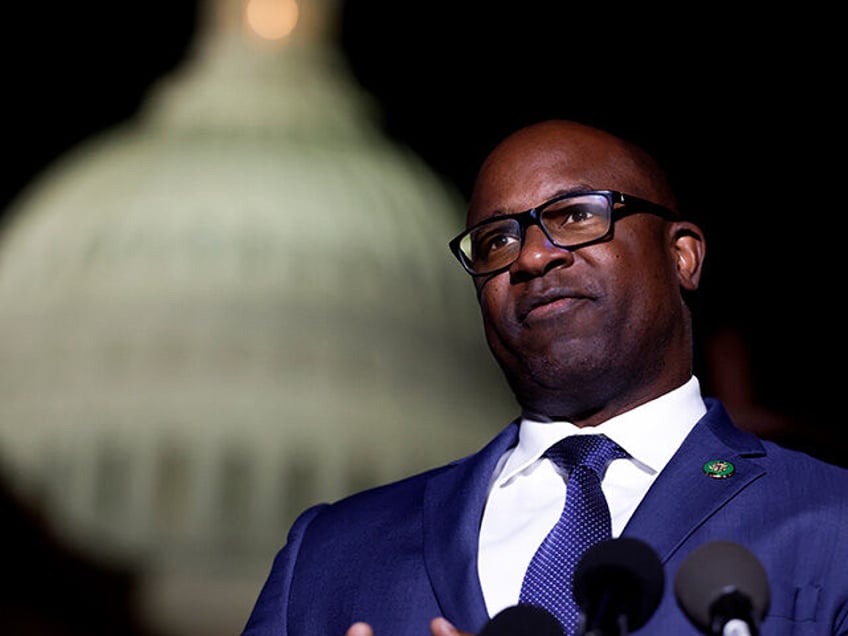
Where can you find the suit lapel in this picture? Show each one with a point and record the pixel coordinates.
(453, 507)
(683, 497)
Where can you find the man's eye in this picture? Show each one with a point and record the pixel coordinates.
(494, 241)
(569, 215)
(582, 213)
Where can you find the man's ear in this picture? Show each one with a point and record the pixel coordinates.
(689, 249)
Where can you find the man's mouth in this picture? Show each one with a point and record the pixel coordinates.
(548, 302)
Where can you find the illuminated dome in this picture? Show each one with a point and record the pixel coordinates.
(235, 304)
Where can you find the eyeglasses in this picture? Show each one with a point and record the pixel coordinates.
(569, 221)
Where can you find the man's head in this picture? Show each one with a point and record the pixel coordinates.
(589, 332)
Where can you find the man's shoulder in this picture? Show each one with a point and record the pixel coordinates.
(402, 498)
(801, 464)
(403, 505)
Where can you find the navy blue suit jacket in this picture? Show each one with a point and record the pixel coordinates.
(398, 555)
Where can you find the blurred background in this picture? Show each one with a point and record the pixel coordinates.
(225, 291)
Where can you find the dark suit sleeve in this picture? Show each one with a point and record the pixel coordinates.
(268, 617)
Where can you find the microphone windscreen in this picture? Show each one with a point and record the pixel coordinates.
(619, 576)
(718, 569)
(523, 620)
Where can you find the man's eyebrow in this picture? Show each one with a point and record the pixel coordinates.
(574, 188)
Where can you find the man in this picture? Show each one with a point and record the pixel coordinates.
(582, 267)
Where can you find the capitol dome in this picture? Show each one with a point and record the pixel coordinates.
(233, 305)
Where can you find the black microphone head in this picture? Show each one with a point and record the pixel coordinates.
(622, 576)
(722, 577)
(523, 620)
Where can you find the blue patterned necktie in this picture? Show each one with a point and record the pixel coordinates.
(585, 520)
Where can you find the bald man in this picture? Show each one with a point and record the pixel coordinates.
(581, 263)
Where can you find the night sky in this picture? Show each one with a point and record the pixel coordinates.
(744, 110)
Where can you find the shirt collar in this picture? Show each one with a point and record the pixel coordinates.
(650, 433)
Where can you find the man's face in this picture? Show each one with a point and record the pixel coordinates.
(577, 330)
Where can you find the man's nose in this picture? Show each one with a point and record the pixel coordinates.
(538, 255)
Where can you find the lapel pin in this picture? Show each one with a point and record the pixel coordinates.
(719, 469)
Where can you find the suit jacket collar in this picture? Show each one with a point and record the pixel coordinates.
(453, 507)
(684, 496)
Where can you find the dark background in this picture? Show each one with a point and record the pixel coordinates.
(744, 109)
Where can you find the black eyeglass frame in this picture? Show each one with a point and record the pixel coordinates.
(629, 204)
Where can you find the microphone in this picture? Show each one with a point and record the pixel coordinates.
(723, 589)
(523, 620)
(618, 584)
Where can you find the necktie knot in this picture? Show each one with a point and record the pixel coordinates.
(592, 451)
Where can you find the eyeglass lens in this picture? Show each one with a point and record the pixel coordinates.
(569, 221)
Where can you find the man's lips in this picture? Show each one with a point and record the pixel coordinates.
(546, 301)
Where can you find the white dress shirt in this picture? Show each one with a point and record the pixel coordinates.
(527, 493)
